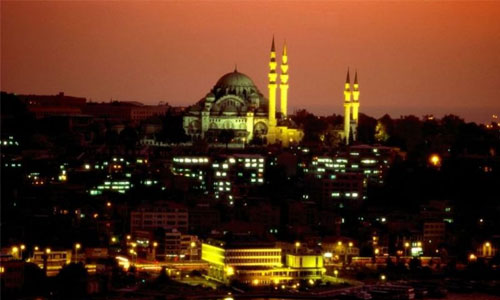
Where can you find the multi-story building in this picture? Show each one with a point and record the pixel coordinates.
(125, 110)
(434, 234)
(226, 177)
(166, 215)
(259, 264)
(179, 246)
(53, 105)
(194, 169)
(51, 260)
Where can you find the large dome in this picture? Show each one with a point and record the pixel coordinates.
(235, 79)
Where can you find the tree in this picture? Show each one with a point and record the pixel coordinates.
(226, 136)
(72, 281)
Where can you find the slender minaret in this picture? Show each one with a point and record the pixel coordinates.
(347, 107)
(355, 106)
(272, 87)
(284, 82)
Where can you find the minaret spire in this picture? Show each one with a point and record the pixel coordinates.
(347, 107)
(355, 88)
(284, 82)
(272, 88)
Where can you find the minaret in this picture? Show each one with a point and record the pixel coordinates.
(347, 107)
(272, 87)
(355, 107)
(284, 82)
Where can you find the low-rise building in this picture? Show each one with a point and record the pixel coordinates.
(259, 263)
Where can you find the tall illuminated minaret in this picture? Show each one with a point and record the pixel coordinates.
(347, 107)
(284, 82)
(355, 107)
(272, 87)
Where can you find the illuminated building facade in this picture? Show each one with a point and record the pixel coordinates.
(52, 260)
(235, 104)
(351, 109)
(178, 245)
(260, 265)
(226, 176)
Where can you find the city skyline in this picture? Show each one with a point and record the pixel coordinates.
(412, 58)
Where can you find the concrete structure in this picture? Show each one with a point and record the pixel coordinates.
(259, 264)
(125, 110)
(167, 216)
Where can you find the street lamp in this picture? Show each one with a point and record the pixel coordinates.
(22, 247)
(15, 251)
(193, 244)
(155, 244)
(297, 246)
(77, 247)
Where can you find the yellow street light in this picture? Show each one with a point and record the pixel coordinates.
(487, 244)
(15, 250)
(339, 243)
(155, 244)
(193, 244)
(36, 248)
(351, 244)
(128, 237)
(22, 247)
(435, 160)
(382, 277)
(407, 245)
(336, 273)
(78, 246)
(472, 257)
(48, 250)
(113, 239)
(297, 244)
(377, 251)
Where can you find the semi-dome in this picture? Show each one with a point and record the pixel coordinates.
(235, 79)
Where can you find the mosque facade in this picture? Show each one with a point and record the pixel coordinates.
(236, 106)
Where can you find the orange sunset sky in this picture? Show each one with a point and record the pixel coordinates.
(413, 57)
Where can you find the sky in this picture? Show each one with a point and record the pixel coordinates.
(412, 57)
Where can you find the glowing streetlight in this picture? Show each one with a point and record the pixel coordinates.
(36, 248)
(435, 160)
(382, 277)
(77, 247)
(48, 250)
(472, 257)
(113, 239)
(15, 252)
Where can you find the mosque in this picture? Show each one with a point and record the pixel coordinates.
(235, 104)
